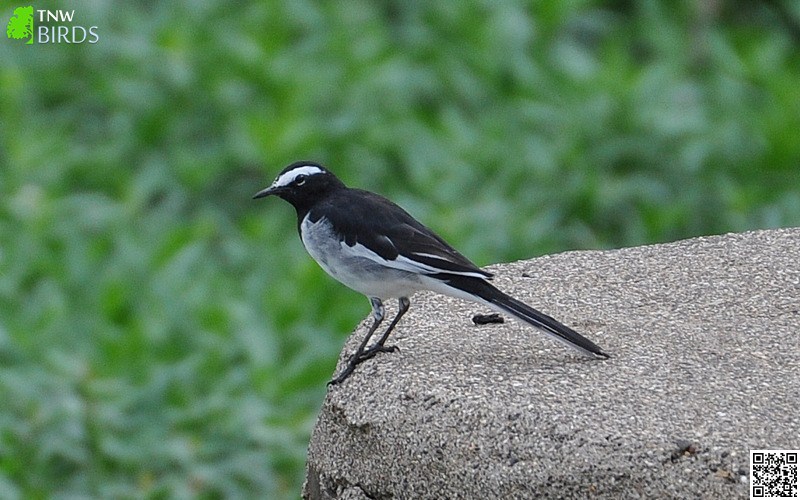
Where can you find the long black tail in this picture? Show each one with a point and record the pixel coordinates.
(480, 290)
(547, 324)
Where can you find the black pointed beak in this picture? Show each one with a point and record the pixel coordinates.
(266, 192)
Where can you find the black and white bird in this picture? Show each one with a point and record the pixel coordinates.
(375, 247)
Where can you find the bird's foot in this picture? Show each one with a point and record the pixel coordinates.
(358, 358)
(344, 374)
(372, 351)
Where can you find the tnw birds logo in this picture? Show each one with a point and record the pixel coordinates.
(49, 26)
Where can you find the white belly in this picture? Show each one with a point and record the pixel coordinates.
(355, 268)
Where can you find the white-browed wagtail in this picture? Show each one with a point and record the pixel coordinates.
(375, 247)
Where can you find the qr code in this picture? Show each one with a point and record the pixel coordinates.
(773, 474)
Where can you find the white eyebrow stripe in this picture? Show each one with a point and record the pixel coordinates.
(288, 177)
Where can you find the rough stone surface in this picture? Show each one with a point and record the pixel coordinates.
(704, 336)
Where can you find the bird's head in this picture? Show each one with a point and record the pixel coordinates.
(302, 184)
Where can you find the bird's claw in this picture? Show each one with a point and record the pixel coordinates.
(372, 351)
(358, 358)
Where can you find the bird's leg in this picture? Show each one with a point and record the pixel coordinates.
(378, 346)
(377, 313)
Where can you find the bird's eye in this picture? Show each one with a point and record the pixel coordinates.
(300, 179)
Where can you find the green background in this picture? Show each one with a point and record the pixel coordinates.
(164, 336)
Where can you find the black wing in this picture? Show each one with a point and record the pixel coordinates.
(385, 229)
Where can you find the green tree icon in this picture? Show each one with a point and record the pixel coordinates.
(21, 24)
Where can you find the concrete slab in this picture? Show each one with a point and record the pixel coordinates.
(704, 336)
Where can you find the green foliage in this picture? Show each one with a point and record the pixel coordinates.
(163, 336)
